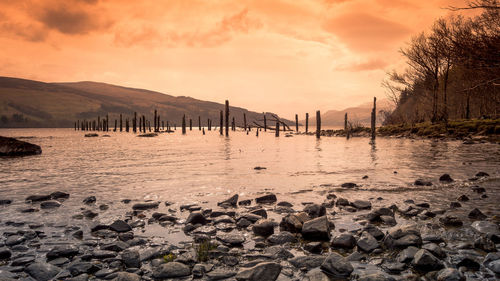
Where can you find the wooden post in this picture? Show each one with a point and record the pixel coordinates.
(346, 128)
(297, 122)
(135, 122)
(116, 121)
(233, 125)
(307, 123)
(203, 131)
(265, 123)
(199, 122)
(156, 120)
(121, 124)
(184, 124)
(168, 127)
(209, 124)
(257, 133)
(221, 128)
(163, 125)
(374, 116)
(143, 124)
(107, 123)
(318, 124)
(277, 128)
(98, 123)
(227, 118)
(190, 124)
(127, 127)
(245, 121)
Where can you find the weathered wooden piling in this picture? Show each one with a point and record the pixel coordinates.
(307, 123)
(227, 118)
(127, 127)
(135, 122)
(163, 125)
(199, 122)
(121, 123)
(143, 124)
(296, 122)
(277, 132)
(190, 124)
(98, 123)
(156, 119)
(184, 124)
(265, 123)
(116, 123)
(374, 116)
(257, 132)
(346, 127)
(203, 131)
(209, 124)
(221, 128)
(233, 125)
(318, 124)
(245, 121)
(107, 123)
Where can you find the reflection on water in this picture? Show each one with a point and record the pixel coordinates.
(204, 168)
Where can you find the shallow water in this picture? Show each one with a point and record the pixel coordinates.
(208, 168)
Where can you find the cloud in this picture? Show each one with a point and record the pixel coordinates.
(72, 20)
(223, 31)
(29, 32)
(365, 32)
(373, 64)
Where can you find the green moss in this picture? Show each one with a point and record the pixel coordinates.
(169, 257)
(203, 250)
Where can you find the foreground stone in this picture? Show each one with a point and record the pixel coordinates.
(13, 147)
(337, 266)
(42, 271)
(425, 261)
(316, 229)
(171, 270)
(267, 271)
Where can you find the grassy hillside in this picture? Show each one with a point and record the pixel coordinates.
(27, 103)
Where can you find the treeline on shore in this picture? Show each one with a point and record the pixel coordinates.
(453, 70)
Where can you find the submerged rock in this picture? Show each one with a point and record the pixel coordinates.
(13, 147)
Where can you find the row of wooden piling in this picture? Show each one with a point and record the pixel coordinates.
(140, 125)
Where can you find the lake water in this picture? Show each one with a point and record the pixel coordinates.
(207, 168)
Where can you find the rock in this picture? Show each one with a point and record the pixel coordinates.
(266, 271)
(425, 261)
(463, 198)
(445, 178)
(59, 195)
(281, 238)
(116, 246)
(374, 231)
(50, 205)
(5, 202)
(315, 210)
(266, 199)
(402, 237)
(485, 227)
(196, 218)
(374, 216)
(455, 205)
(245, 202)
(13, 147)
(478, 189)
(285, 204)
(388, 220)
(131, 258)
(14, 240)
(145, 206)
(42, 271)
(263, 227)
(482, 174)
(231, 239)
(120, 226)
(314, 247)
(344, 240)
(316, 229)
(421, 182)
(91, 135)
(379, 276)
(259, 168)
(476, 214)
(468, 262)
(308, 262)
(451, 221)
(38, 198)
(260, 212)
(78, 267)
(361, 204)
(342, 202)
(220, 274)
(450, 274)
(126, 276)
(348, 185)
(89, 214)
(5, 253)
(171, 270)
(231, 202)
(337, 266)
(494, 266)
(89, 200)
(435, 250)
(293, 222)
(485, 244)
(65, 251)
(21, 261)
(367, 242)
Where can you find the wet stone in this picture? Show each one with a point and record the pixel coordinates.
(367, 242)
(361, 204)
(344, 240)
(89, 200)
(231, 202)
(120, 226)
(421, 182)
(316, 229)
(451, 221)
(267, 271)
(263, 228)
(231, 239)
(337, 266)
(41, 271)
(308, 262)
(426, 261)
(477, 214)
(463, 198)
(315, 210)
(266, 199)
(38, 198)
(145, 206)
(59, 195)
(450, 274)
(196, 218)
(348, 185)
(445, 178)
(281, 238)
(50, 205)
(14, 240)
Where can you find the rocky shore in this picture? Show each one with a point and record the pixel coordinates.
(260, 238)
(13, 147)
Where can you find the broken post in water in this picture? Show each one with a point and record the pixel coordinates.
(221, 128)
(107, 123)
(209, 124)
(245, 121)
(199, 122)
(98, 123)
(277, 133)
(190, 124)
(307, 122)
(184, 124)
(374, 116)
(126, 125)
(156, 116)
(233, 125)
(296, 122)
(135, 122)
(346, 127)
(318, 124)
(116, 121)
(227, 118)
(143, 124)
(121, 124)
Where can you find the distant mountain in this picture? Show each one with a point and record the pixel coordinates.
(28, 103)
(360, 114)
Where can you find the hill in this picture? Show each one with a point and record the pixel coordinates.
(28, 103)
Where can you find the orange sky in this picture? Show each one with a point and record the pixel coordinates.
(284, 56)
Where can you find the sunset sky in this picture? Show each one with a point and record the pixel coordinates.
(285, 56)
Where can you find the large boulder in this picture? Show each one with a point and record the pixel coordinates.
(317, 229)
(367, 242)
(263, 227)
(315, 210)
(13, 147)
(426, 261)
(266, 271)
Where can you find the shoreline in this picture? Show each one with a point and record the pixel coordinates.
(264, 237)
